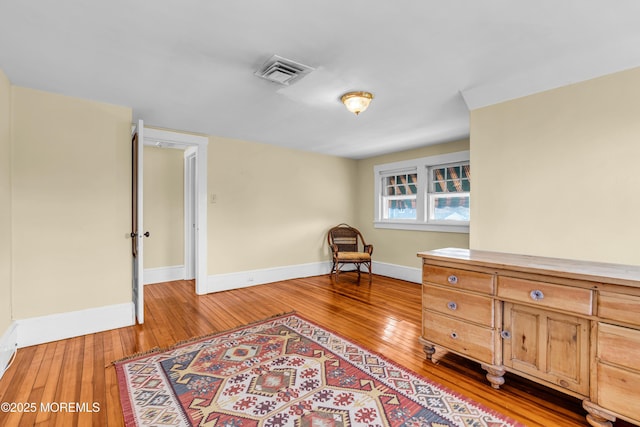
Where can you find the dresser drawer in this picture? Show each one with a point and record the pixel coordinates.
(619, 345)
(474, 308)
(458, 279)
(467, 339)
(619, 307)
(619, 391)
(548, 295)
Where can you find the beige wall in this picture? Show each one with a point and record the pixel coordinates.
(273, 205)
(71, 204)
(5, 202)
(163, 207)
(400, 246)
(556, 173)
(548, 171)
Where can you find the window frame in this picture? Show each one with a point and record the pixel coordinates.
(422, 168)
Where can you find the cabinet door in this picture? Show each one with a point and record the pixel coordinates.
(546, 345)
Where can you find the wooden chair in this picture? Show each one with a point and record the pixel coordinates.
(348, 247)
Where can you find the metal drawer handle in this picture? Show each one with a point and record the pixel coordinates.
(505, 335)
(453, 279)
(536, 295)
(452, 305)
(454, 335)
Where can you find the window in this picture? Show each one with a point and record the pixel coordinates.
(449, 192)
(430, 193)
(400, 194)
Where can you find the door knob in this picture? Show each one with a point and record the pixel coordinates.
(146, 234)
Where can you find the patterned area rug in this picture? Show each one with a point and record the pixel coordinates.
(286, 371)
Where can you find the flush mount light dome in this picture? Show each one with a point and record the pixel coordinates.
(356, 102)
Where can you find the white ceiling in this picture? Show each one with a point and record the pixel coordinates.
(189, 65)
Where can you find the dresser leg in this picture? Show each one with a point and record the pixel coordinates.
(428, 348)
(596, 417)
(429, 351)
(495, 375)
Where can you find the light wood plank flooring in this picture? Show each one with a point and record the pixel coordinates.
(383, 316)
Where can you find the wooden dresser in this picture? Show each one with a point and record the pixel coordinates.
(571, 325)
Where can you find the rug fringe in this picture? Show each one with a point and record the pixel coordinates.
(137, 355)
(201, 337)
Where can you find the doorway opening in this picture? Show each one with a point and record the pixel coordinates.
(195, 198)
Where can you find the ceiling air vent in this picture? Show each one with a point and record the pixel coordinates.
(282, 70)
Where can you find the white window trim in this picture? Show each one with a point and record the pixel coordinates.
(420, 165)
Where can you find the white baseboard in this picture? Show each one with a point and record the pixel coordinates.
(8, 346)
(38, 330)
(163, 274)
(410, 274)
(243, 279)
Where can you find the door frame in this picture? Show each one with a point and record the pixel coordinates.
(197, 144)
(190, 186)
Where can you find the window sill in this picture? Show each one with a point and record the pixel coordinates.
(413, 226)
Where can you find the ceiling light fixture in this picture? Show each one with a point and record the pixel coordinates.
(356, 102)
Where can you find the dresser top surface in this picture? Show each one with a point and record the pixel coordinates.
(627, 275)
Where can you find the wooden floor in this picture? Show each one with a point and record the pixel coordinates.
(383, 316)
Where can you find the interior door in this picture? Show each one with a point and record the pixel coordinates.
(136, 220)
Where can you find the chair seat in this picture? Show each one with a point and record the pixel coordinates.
(353, 256)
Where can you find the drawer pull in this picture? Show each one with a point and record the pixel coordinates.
(452, 305)
(506, 335)
(454, 335)
(453, 279)
(536, 295)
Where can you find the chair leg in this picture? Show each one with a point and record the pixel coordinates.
(336, 270)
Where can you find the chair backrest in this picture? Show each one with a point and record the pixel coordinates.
(345, 238)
